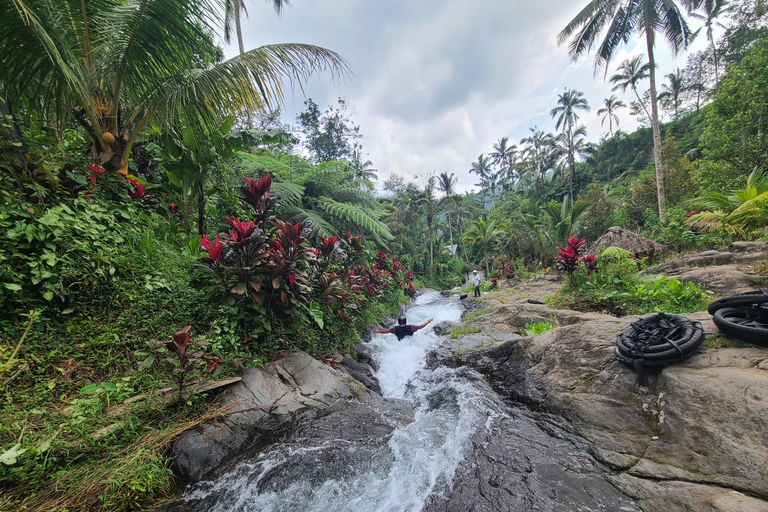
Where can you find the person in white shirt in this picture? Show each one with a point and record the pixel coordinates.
(476, 282)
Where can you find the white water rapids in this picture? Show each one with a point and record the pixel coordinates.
(419, 459)
(441, 440)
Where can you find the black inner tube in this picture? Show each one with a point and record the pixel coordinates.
(746, 323)
(754, 298)
(657, 341)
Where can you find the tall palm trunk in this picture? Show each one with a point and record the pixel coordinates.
(431, 239)
(649, 36)
(201, 210)
(238, 28)
(573, 171)
(641, 102)
(450, 231)
(487, 270)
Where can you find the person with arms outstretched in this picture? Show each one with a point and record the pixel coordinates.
(401, 330)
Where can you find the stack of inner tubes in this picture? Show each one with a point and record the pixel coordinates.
(743, 316)
(657, 341)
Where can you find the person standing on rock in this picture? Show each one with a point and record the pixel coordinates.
(401, 330)
(476, 282)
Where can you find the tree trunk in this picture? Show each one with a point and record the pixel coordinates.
(450, 231)
(714, 56)
(238, 28)
(201, 210)
(642, 104)
(429, 226)
(573, 168)
(485, 249)
(649, 35)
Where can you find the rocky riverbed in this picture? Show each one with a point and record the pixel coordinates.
(565, 426)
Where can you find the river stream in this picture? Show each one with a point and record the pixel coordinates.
(451, 445)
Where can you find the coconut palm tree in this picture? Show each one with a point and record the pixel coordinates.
(672, 93)
(485, 233)
(540, 153)
(504, 155)
(619, 19)
(232, 10)
(566, 111)
(362, 171)
(429, 206)
(569, 147)
(446, 184)
(741, 211)
(117, 67)
(612, 104)
(568, 104)
(713, 9)
(630, 73)
(482, 167)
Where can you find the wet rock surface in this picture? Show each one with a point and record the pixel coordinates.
(692, 440)
(319, 436)
(528, 460)
(283, 388)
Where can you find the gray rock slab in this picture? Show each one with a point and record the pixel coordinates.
(699, 422)
(284, 388)
(724, 280)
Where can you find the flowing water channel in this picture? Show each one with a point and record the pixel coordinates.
(443, 441)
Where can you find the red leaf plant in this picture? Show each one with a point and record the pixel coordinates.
(137, 189)
(590, 263)
(568, 259)
(188, 357)
(258, 195)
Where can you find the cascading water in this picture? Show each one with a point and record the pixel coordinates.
(347, 459)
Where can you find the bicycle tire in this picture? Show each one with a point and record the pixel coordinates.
(743, 299)
(747, 324)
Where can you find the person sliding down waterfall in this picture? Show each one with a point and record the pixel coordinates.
(476, 282)
(401, 330)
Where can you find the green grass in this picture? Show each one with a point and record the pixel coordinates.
(721, 341)
(475, 314)
(463, 330)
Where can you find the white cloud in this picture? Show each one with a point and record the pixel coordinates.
(437, 82)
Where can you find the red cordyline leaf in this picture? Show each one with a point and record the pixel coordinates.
(242, 229)
(182, 337)
(256, 192)
(328, 245)
(214, 247)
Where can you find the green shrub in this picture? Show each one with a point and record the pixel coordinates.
(617, 287)
(535, 328)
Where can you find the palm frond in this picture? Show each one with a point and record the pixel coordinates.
(247, 82)
(711, 202)
(356, 217)
(319, 226)
(290, 194)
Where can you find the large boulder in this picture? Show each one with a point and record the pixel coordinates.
(283, 388)
(696, 433)
(724, 281)
(638, 245)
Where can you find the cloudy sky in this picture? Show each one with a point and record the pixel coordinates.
(436, 82)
